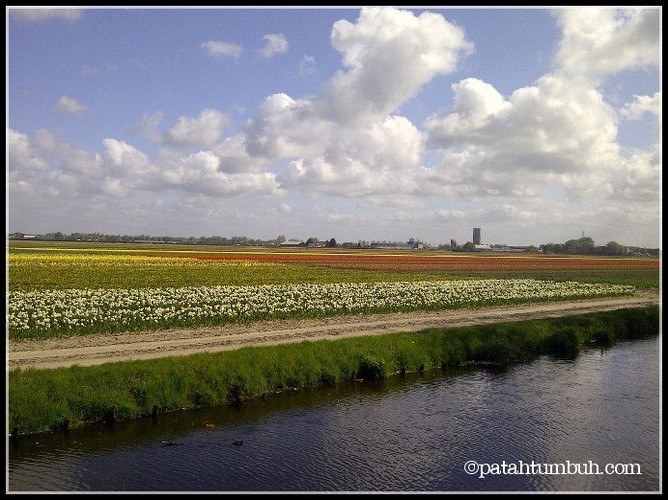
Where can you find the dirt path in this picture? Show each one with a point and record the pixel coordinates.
(98, 349)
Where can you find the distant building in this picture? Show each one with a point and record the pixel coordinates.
(411, 244)
(415, 244)
(512, 248)
(476, 236)
(292, 243)
(483, 248)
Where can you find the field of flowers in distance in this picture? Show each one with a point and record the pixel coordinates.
(58, 288)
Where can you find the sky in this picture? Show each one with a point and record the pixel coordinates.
(378, 123)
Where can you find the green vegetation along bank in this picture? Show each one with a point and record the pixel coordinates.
(54, 399)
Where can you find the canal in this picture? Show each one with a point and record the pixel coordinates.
(590, 424)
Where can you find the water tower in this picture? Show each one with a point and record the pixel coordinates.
(476, 236)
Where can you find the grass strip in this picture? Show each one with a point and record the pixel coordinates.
(52, 399)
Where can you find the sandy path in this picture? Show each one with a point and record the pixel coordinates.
(98, 349)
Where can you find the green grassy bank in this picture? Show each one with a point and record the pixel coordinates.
(49, 400)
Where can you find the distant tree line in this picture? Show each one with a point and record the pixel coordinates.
(581, 246)
(586, 246)
(143, 238)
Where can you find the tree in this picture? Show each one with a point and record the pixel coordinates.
(281, 239)
(614, 248)
(582, 246)
(469, 246)
(547, 247)
(331, 243)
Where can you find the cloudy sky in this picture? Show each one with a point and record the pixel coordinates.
(380, 123)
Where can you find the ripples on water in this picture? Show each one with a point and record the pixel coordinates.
(410, 434)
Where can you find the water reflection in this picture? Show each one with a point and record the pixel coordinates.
(404, 434)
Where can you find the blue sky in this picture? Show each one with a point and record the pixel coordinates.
(377, 123)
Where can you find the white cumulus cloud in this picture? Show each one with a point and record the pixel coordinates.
(216, 48)
(21, 153)
(285, 127)
(234, 157)
(603, 41)
(476, 104)
(642, 104)
(70, 105)
(346, 141)
(274, 44)
(389, 54)
(124, 155)
(203, 130)
(199, 173)
(556, 125)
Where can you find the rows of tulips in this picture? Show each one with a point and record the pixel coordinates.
(19, 260)
(45, 313)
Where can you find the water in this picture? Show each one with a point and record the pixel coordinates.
(405, 434)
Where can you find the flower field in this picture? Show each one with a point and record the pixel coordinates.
(37, 314)
(38, 265)
(30, 271)
(394, 260)
(78, 290)
(436, 262)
